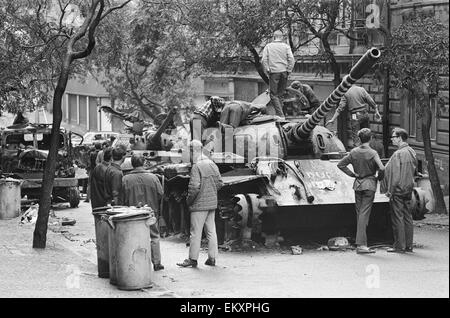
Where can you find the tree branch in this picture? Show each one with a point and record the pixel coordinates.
(114, 8)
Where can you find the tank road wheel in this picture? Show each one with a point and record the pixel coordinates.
(242, 217)
(74, 197)
(418, 204)
(256, 223)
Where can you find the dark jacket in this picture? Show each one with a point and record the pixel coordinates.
(141, 186)
(113, 184)
(98, 191)
(204, 184)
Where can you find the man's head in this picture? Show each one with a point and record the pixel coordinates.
(278, 35)
(118, 154)
(98, 146)
(398, 136)
(296, 84)
(137, 161)
(105, 144)
(196, 149)
(217, 103)
(365, 135)
(107, 154)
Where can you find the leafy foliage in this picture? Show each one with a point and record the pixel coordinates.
(33, 38)
(418, 54)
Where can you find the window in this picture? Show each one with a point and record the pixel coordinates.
(73, 112)
(414, 121)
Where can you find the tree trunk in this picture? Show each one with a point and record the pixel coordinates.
(342, 119)
(432, 172)
(258, 65)
(40, 230)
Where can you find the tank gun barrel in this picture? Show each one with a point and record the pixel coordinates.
(154, 141)
(302, 131)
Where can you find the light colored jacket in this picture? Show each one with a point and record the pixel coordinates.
(277, 57)
(399, 173)
(204, 184)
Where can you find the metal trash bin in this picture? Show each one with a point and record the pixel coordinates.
(113, 210)
(132, 250)
(101, 241)
(10, 196)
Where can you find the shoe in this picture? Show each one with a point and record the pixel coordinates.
(409, 250)
(188, 263)
(364, 250)
(395, 250)
(210, 262)
(158, 267)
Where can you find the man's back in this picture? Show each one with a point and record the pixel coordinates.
(278, 57)
(98, 191)
(204, 184)
(357, 99)
(113, 182)
(140, 186)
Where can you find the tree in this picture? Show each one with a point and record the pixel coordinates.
(50, 36)
(152, 67)
(231, 33)
(28, 56)
(417, 55)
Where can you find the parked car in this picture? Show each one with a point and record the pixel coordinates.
(93, 137)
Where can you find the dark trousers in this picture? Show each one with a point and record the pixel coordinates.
(363, 206)
(232, 115)
(198, 125)
(402, 222)
(277, 86)
(362, 121)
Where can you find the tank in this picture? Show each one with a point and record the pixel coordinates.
(282, 178)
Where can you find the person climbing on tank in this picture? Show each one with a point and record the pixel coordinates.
(358, 101)
(278, 62)
(205, 116)
(302, 97)
(236, 113)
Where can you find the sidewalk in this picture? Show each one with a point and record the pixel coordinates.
(67, 267)
(56, 271)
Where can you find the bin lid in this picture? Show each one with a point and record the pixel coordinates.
(11, 180)
(129, 215)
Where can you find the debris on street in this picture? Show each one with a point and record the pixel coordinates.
(296, 250)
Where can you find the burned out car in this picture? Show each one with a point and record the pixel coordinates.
(23, 155)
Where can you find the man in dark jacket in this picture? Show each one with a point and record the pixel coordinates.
(302, 98)
(204, 184)
(98, 194)
(139, 188)
(113, 177)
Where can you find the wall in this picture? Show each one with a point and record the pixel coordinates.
(402, 106)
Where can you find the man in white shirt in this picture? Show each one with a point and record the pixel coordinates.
(278, 62)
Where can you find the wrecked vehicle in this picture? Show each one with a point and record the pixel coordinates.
(23, 155)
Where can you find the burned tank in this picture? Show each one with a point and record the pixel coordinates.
(281, 176)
